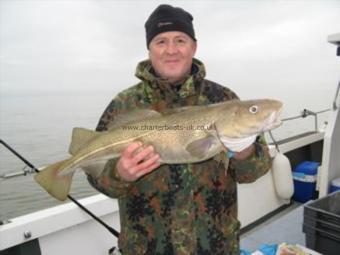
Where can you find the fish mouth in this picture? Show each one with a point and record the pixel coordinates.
(273, 121)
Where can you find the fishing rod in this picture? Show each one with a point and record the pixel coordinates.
(110, 229)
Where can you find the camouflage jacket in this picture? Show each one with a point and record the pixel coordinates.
(178, 209)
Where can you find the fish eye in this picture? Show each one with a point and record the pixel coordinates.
(253, 109)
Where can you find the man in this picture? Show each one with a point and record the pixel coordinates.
(176, 209)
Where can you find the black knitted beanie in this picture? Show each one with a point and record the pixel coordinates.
(168, 18)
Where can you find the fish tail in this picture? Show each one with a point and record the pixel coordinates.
(55, 184)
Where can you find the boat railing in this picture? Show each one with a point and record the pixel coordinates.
(305, 113)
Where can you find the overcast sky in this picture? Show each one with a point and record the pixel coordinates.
(250, 46)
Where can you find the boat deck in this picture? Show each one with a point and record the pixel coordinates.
(286, 227)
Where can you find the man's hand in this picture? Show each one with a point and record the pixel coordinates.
(136, 161)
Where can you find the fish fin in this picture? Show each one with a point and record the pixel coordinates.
(56, 185)
(222, 158)
(80, 138)
(200, 147)
(132, 116)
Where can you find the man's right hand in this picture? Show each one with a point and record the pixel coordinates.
(136, 161)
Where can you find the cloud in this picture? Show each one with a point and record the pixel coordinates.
(95, 45)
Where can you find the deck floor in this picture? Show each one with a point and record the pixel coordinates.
(286, 227)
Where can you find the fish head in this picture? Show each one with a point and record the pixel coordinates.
(246, 118)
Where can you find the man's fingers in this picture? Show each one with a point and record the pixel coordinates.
(143, 154)
(148, 169)
(147, 163)
(128, 152)
(137, 161)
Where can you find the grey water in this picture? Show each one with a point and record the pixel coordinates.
(38, 125)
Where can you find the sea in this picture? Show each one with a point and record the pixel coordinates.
(38, 125)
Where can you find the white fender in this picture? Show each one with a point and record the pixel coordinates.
(283, 176)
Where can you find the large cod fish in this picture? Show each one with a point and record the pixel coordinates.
(182, 135)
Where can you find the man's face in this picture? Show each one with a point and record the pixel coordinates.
(171, 55)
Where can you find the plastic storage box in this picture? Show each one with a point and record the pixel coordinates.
(335, 185)
(321, 224)
(304, 176)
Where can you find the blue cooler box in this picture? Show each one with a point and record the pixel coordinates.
(335, 185)
(304, 176)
